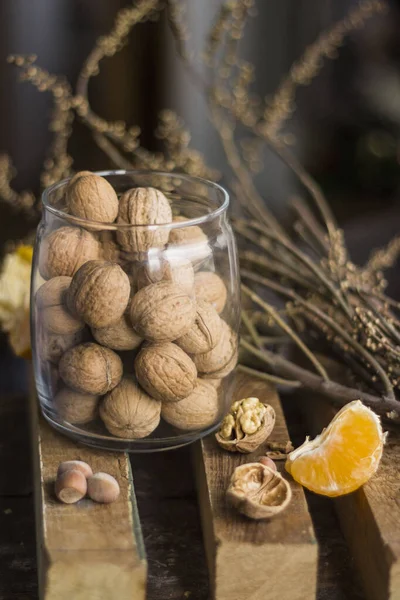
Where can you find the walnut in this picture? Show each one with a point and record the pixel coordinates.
(128, 412)
(65, 250)
(222, 359)
(92, 197)
(193, 241)
(118, 336)
(143, 206)
(208, 286)
(205, 332)
(75, 407)
(53, 312)
(99, 293)
(186, 235)
(162, 312)
(158, 269)
(248, 424)
(199, 410)
(258, 491)
(53, 346)
(109, 249)
(90, 369)
(165, 372)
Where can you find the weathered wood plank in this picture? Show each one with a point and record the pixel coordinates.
(261, 560)
(370, 517)
(86, 550)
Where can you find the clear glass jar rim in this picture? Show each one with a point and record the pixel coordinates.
(117, 226)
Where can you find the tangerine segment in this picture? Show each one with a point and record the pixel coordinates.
(344, 456)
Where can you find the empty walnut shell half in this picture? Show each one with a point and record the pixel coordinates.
(247, 425)
(258, 492)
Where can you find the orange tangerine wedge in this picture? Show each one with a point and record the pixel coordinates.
(344, 456)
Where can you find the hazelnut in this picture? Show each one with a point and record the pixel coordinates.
(65, 250)
(91, 369)
(53, 346)
(221, 360)
(71, 486)
(118, 336)
(209, 286)
(92, 197)
(199, 410)
(143, 206)
(99, 293)
(128, 412)
(102, 487)
(75, 407)
(76, 465)
(165, 372)
(162, 312)
(172, 270)
(205, 332)
(51, 301)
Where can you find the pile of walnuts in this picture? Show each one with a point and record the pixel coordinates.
(131, 333)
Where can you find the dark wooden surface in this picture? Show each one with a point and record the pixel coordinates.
(168, 509)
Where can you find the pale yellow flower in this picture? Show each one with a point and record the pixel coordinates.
(15, 280)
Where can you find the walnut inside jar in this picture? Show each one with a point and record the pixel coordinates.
(143, 206)
(51, 303)
(208, 286)
(158, 269)
(92, 197)
(198, 410)
(222, 359)
(65, 250)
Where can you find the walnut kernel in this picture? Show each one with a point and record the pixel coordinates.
(248, 424)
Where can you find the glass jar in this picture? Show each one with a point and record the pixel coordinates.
(135, 327)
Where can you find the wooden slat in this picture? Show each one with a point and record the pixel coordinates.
(254, 560)
(370, 517)
(85, 550)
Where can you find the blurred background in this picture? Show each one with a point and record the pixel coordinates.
(347, 124)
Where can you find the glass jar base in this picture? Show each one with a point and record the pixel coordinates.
(138, 446)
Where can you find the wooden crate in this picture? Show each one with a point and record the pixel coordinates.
(85, 551)
(257, 560)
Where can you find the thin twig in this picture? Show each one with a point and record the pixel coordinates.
(267, 377)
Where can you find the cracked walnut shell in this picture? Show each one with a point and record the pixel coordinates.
(92, 197)
(248, 424)
(128, 412)
(91, 369)
(143, 206)
(258, 491)
(199, 410)
(208, 286)
(165, 372)
(99, 293)
(205, 332)
(51, 302)
(162, 312)
(65, 250)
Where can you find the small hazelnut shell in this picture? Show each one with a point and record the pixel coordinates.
(71, 486)
(102, 487)
(74, 465)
